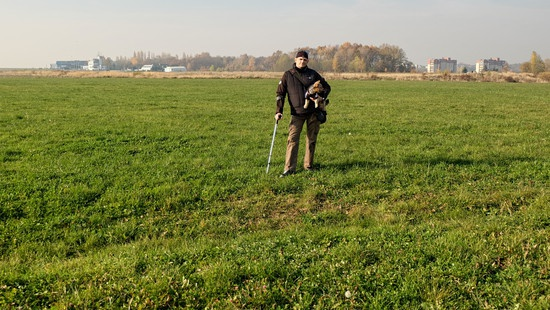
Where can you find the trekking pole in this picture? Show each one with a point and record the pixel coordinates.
(271, 149)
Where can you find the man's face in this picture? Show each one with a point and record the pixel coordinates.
(301, 62)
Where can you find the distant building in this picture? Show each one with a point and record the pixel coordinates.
(146, 68)
(175, 69)
(69, 65)
(96, 64)
(442, 65)
(493, 64)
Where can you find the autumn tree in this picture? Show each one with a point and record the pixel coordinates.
(323, 57)
(204, 62)
(108, 63)
(283, 63)
(357, 64)
(370, 56)
(393, 58)
(268, 63)
(344, 56)
(241, 63)
(535, 66)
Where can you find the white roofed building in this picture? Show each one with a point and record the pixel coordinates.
(175, 69)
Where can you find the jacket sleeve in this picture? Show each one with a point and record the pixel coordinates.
(326, 86)
(281, 94)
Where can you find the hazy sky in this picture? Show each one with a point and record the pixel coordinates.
(36, 33)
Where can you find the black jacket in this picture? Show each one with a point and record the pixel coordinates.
(295, 83)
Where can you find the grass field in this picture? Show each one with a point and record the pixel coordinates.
(152, 193)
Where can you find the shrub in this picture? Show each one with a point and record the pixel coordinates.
(545, 76)
(510, 79)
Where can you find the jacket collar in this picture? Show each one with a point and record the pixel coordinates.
(298, 69)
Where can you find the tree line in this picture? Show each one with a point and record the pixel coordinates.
(346, 57)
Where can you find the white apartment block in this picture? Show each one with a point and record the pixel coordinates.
(445, 64)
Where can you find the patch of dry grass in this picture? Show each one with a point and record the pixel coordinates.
(139, 74)
(507, 77)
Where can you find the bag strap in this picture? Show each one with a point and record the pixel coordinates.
(297, 75)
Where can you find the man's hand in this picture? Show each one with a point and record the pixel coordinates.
(278, 116)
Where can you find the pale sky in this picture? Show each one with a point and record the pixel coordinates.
(36, 33)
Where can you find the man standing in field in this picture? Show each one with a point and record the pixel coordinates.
(295, 83)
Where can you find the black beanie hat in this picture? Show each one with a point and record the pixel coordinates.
(302, 54)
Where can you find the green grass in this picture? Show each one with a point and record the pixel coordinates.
(152, 193)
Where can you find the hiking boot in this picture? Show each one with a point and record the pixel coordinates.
(311, 169)
(286, 173)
